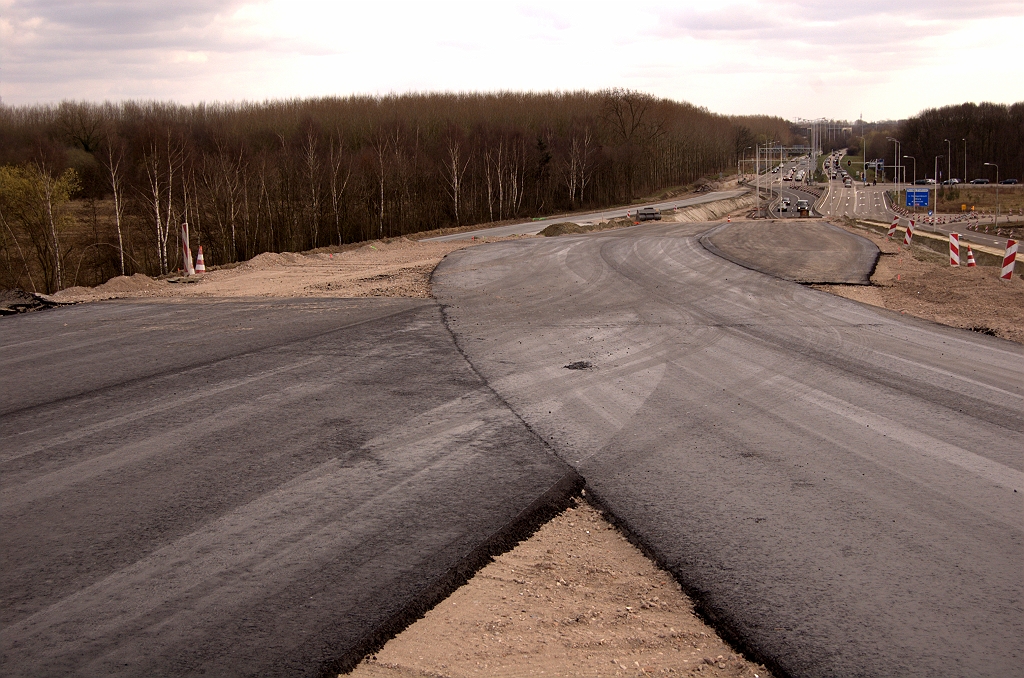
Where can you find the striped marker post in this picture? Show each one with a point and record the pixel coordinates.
(892, 228)
(909, 235)
(186, 253)
(1008, 260)
(954, 249)
(970, 258)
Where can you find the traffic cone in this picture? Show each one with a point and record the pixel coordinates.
(200, 264)
(970, 258)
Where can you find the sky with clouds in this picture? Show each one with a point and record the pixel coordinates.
(793, 58)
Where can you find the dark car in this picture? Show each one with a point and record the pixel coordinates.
(980, 181)
(1008, 181)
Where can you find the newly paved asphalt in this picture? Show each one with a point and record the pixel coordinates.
(536, 226)
(802, 250)
(246, 487)
(841, 487)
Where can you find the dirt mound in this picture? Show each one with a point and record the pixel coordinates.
(262, 262)
(115, 287)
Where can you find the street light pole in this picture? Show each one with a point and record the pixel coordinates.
(992, 164)
(935, 206)
(896, 167)
(915, 177)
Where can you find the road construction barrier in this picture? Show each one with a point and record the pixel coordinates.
(186, 253)
(970, 258)
(1008, 260)
(892, 228)
(954, 249)
(909, 235)
(200, 264)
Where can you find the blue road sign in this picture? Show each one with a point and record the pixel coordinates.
(917, 197)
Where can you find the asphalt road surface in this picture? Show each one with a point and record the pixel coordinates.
(804, 250)
(841, 487)
(868, 202)
(244, 488)
(786, 190)
(534, 227)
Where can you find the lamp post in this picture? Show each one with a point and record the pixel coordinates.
(915, 177)
(935, 205)
(896, 166)
(992, 164)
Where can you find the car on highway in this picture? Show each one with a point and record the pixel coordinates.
(1008, 181)
(848, 182)
(925, 182)
(802, 206)
(980, 181)
(784, 207)
(951, 182)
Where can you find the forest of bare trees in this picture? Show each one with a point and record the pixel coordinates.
(91, 191)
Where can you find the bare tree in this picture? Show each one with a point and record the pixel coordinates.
(453, 170)
(115, 158)
(338, 185)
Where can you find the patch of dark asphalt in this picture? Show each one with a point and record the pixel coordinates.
(246, 488)
(806, 251)
(13, 302)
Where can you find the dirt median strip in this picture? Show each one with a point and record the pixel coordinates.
(577, 599)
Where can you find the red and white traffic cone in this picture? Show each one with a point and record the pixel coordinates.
(892, 228)
(970, 258)
(200, 264)
(909, 235)
(954, 249)
(1008, 260)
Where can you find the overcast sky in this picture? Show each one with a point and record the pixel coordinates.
(800, 58)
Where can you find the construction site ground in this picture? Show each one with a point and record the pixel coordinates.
(577, 598)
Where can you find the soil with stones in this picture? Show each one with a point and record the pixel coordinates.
(921, 283)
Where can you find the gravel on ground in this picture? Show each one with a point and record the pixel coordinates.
(921, 283)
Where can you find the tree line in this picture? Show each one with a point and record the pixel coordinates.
(976, 134)
(89, 191)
